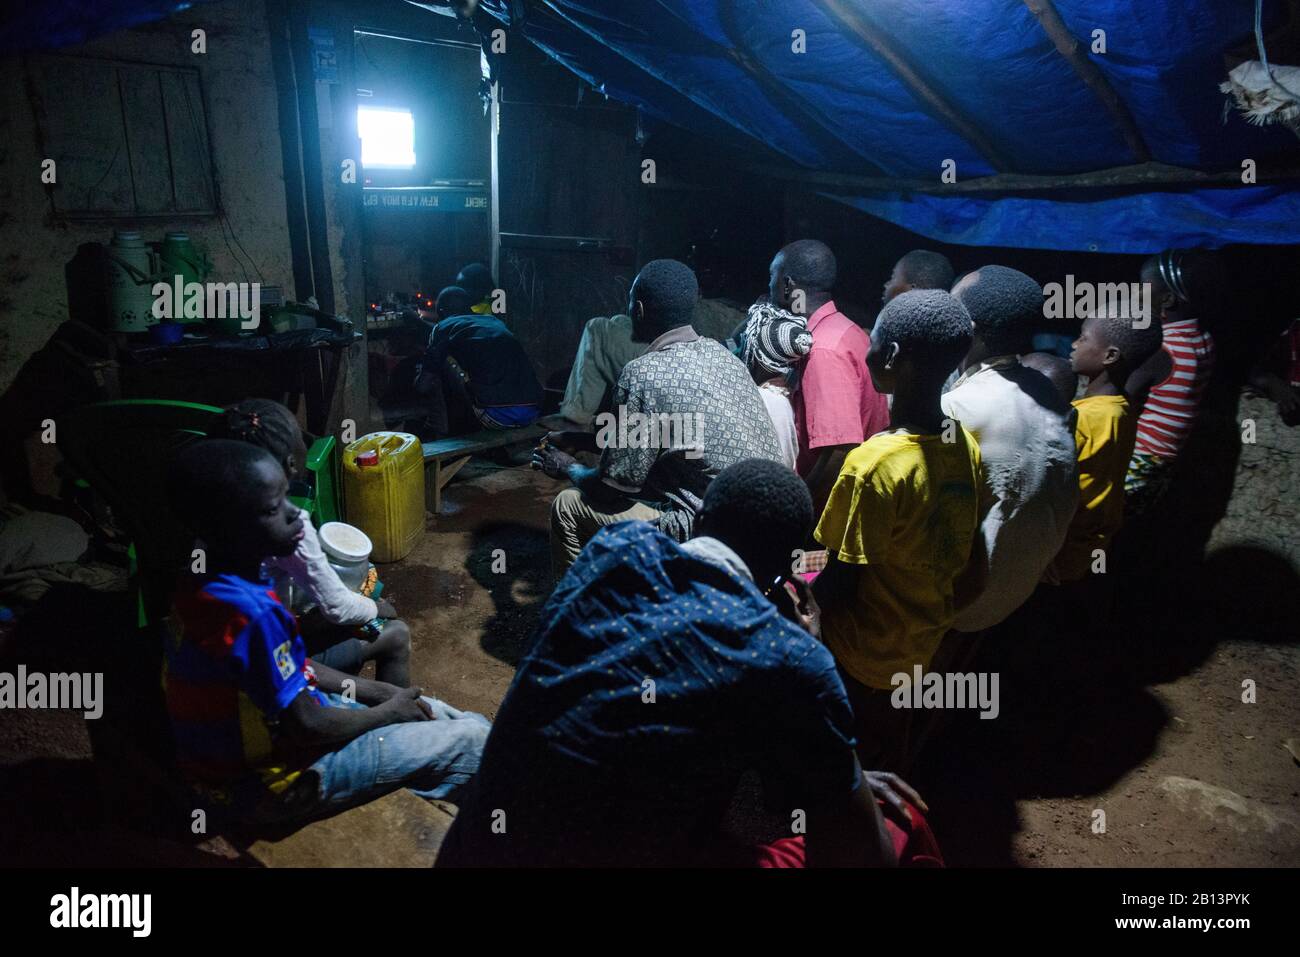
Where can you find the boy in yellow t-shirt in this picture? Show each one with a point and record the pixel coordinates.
(900, 521)
(1108, 349)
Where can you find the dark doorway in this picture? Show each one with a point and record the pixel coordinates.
(425, 173)
(425, 162)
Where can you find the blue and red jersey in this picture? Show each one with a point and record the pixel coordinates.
(234, 662)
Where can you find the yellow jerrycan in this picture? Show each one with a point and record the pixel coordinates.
(383, 491)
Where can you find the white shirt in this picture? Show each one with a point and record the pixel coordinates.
(311, 571)
(718, 552)
(1030, 476)
(781, 412)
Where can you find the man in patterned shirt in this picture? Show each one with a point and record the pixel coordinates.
(685, 411)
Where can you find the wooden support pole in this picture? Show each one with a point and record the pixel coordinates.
(1152, 175)
(1068, 46)
(850, 17)
(813, 126)
(495, 115)
(806, 116)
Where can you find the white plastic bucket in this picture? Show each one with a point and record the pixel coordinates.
(348, 549)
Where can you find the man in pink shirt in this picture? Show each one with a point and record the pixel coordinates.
(836, 407)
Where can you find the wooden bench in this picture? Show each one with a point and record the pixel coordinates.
(445, 457)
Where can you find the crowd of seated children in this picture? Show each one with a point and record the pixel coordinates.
(832, 402)
(259, 729)
(942, 509)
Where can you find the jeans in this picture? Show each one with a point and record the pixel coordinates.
(435, 759)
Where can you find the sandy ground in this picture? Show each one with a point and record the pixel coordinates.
(1145, 722)
(1128, 748)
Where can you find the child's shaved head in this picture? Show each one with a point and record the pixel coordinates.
(762, 510)
(926, 269)
(1112, 343)
(1135, 338)
(453, 301)
(930, 326)
(1056, 369)
(1004, 304)
(212, 475)
(233, 495)
(810, 263)
(919, 269)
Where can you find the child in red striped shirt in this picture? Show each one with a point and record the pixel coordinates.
(1185, 286)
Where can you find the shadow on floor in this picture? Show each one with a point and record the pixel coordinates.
(55, 815)
(1076, 713)
(512, 563)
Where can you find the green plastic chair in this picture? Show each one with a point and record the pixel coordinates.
(122, 449)
(322, 500)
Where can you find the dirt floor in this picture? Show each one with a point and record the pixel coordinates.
(1126, 746)
(1132, 745)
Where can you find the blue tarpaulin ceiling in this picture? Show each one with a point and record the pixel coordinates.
(893, 88)
(58, 23)
(1011, 103)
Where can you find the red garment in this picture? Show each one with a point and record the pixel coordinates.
(1172, 406)
(836, 403)
(914, 844)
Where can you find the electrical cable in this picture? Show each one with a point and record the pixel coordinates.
(247, 255)
(223, 220)
(1263, 56)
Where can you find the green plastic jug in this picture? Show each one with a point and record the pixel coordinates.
(178, 257)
